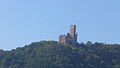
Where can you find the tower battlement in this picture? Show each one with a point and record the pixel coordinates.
(70, 38)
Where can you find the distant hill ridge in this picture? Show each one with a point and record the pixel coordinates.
(51, 54)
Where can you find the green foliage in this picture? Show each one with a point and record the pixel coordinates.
(51, 54)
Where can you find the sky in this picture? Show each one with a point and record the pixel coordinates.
(26, 21)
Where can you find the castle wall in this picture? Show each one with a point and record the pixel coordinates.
(63, 39)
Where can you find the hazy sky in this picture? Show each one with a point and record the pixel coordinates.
(26, 21)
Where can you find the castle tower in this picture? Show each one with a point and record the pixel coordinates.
(70, 38)
(73, 31)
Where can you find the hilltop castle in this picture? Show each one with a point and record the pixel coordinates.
(70, 38)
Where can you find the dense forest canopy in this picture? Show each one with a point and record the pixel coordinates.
(51, 54)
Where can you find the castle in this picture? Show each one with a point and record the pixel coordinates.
(70, 38)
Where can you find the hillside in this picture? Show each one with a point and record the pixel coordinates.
(51, 54)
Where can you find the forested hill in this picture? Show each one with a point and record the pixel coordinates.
(51, 54)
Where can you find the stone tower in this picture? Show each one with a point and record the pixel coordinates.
(70, 38)
(72, 30)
